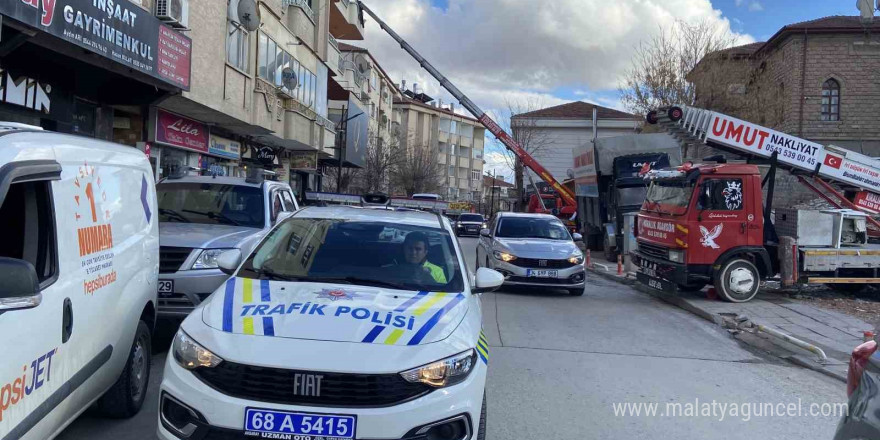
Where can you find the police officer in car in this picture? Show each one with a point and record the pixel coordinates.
(415, 254)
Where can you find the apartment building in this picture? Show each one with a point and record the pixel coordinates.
(457, 140)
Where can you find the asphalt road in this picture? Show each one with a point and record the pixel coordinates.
(560, 364)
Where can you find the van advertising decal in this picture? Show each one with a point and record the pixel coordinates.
(33, 377)
(93, 229)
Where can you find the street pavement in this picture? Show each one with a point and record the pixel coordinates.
(559, 365)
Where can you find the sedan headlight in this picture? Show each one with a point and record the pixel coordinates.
(444, 373)
(676, 256)
(503, 256)
(577, 258)
(190, 355)
(485, 226)
(208, 259)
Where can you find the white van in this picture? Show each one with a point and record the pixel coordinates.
(79, 263)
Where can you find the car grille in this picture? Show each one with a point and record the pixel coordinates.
(171, 258)
(343, 390)
(652, 250)
(536, 263)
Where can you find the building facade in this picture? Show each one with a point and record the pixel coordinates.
(497, 196)
(456, 141)
(816, 80)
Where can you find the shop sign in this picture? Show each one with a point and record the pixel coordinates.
(178, 131)
(115, 29)
(223, 147)
(868, 201)
(304, 160)
(266, 155)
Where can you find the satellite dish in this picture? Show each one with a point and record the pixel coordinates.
(866, 9)
(361, 62)
(289, 79)
(247, 15)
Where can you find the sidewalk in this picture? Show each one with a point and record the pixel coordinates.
(835, 333)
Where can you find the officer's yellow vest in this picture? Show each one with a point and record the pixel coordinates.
(436, 272)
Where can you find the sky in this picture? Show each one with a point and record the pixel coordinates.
(550, 52)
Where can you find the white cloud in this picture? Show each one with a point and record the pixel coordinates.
(756, 6)
(495, 162)
(496, 50)
(739, 3)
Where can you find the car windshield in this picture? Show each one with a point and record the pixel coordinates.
(531, 227)
(669, 196)
(210, 203)
(471, 218)
(390, 255)
(632, 196)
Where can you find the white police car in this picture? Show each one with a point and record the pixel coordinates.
(344, 323)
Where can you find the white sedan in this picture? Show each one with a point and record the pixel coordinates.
(334, 329)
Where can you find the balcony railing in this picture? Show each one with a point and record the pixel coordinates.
(326, 123)
(303, 4)
(333, 42)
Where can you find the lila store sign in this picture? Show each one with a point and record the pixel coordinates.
(178, 131)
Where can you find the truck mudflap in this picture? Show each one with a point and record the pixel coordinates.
(662, 275)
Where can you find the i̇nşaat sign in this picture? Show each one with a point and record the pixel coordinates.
(181, 132)
(115, 29)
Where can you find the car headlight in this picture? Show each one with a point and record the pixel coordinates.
(485, 226)
(676, 256)
(190, 355)
(503, 256)
(576, 259)
(444, 373)
(458, 225)
(208, 259)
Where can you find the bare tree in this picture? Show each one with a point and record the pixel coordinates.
(658, 76)
(381, 156)
(525, 131)
(416, 170)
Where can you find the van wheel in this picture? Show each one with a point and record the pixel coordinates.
(481, 432)
(738, 280)
(125, 398)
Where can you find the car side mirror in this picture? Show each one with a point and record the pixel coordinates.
(283, 216)
(485, 232)
(577, 237)
(229, 261)
(487, 280)
(21, 286)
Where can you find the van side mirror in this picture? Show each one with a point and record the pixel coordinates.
(21, 286)
(487, 280)
(229, 261)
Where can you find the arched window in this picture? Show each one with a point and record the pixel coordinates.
(831, 100)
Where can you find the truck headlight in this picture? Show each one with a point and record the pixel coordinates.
(577, 258)
(676, 256)
(208, 259)
(503, 256)
(444, 373)
(190, 355)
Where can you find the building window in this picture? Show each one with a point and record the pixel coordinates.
(831, 100)
(452, 170)
(453, 127)
(452, 149)
(475, 175)
(271, 62)
(478, 154)
(236, 46)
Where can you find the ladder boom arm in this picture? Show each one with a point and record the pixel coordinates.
(481, 116)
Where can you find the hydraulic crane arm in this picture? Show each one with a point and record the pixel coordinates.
(481, 116)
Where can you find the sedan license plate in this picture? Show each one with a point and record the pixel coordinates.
(542, 273)
(258, 422)
(166, 288)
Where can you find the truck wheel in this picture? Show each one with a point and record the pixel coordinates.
(738, 280)
(125, 398)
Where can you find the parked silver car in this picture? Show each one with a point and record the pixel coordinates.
(200, 218)
(532, 250)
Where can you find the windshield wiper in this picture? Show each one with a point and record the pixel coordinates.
(174, 214)
(214, 216)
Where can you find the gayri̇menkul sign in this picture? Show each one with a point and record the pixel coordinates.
(116, 29)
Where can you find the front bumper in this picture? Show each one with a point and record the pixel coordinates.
(191, 287)
(468, 230)
(224, 415)
(661, 274)
(567, 278)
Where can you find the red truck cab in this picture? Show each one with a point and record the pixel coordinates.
(551, 203)
(703, 224)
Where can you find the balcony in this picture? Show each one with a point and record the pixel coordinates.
(465, 141)
(299, 128)
(334, 60)
(464, 162)
(345, 20)
(441, 158)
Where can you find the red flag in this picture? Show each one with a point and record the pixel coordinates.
(833, 161)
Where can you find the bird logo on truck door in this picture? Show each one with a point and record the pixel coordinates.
(733, 195)
(709, 237)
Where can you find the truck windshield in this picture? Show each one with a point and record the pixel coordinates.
(669, 196)
(633, 196)
(549, 202)
(380, 254)
(209, 203)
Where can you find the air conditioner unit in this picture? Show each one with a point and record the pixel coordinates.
(173, 12)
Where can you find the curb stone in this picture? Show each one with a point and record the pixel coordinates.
(834, 368)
